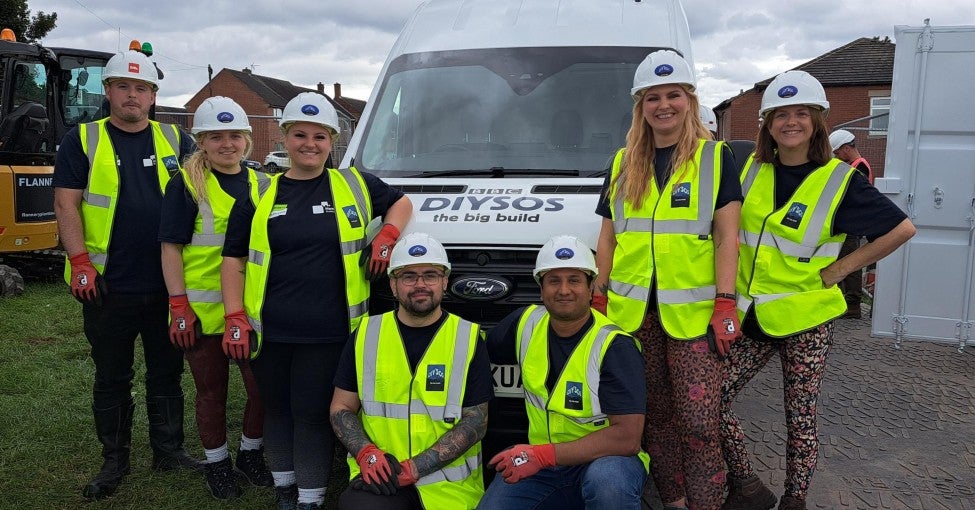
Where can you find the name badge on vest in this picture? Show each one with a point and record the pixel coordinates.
(150, 161)
(681, 197)
(171, 164)
(794, 217)
(436, 375)
(573, 395)
(353, 215)
(278, 210)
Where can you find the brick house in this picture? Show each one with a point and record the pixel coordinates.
(857, 78)
(263, 98)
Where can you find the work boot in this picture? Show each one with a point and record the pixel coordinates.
(748, 493)
(166, 435)
(286, 497)
(114, 429)
(250, 463)
(791, 503)
(852, 310)
(315, 506)
(221, 480)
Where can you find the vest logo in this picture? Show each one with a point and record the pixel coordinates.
(794, 217)
(322, 208)
(417, 250)
(225, 117)
(352, 215)
(309, 109)
(663, 70)
(171, 164)
(573, 395)
(788, 91)
(436, 376)
(133, 67)
(278, 210)
(564, 253)
(681, 196)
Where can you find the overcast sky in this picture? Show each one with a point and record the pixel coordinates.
(735, 44)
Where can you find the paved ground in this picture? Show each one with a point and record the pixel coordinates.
(897, 426)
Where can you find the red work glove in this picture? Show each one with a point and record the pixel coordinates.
(87, 286)
(523, 460)
(376, 471)
(724, 325)
(599, 302)
(239, 338)
(184, 327)
(408, 475)
(376, 256)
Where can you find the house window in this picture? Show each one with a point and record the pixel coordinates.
(276, 112)
(879, 106)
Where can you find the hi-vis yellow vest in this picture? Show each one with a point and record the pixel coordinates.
(100, 197)
(572, 410)
(668, 236)
(352, 203)
(783, 250)
(202, 257)
(405, 413)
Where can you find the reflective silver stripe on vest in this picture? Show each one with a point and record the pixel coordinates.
(695, 227)
(630, 224)
(255, 324)
(750, 174)
(684, 296)
(169, 133)
(526, 333)
(457, 377)
(359, 309)
(208, 236)
(208, 239)
(206, 217)
(535, 400)
(830, 190)
(369, 361)
(357, 191)
(263, 184)
(94, 199)
(788, 247)
(386, 410)
(98, 258)
(255, 257)
(592, 372)
(403, 411)
(765, 298)
(453, 473)
(352, 247)
(204, 296)
(91, 135)
(629, 290)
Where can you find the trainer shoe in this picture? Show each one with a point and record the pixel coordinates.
(251, 464)
(221, 480)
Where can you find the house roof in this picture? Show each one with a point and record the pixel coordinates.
(277, 92)
(354, 106)
(865, 61)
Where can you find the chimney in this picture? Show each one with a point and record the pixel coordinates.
(338, 90)
(321, 88)
(247, 70)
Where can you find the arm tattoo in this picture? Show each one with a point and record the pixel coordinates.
(348, 430)
(604, 288)
(469, 430)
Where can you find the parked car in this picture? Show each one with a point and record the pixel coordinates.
(255, 165)
(277, 161)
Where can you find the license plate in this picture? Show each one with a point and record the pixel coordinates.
(507, 381)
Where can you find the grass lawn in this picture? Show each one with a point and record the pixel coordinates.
(48, 448)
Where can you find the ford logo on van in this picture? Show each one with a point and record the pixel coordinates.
(480, 288)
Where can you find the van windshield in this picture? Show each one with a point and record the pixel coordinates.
(507, 111)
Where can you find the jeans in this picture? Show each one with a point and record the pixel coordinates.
(612, 483)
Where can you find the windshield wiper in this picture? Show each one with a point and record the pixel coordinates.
(498, 172)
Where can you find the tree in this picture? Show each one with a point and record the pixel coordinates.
(15, 16)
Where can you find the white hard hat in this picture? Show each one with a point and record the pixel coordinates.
(564, 251)
(839, 138)
(709, 119)
(133, 65)
(417, 248)
(311, 107)
(662, 67)
(219, 113)
(793, 88)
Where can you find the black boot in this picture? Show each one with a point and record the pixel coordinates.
(166, 435)
(114, 428)
(748, 493)
(251, 464)
(221, 480)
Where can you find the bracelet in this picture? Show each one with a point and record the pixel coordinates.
(726, 295)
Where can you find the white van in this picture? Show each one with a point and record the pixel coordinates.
(499, 120)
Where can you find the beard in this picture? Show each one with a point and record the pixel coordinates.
(420, 307)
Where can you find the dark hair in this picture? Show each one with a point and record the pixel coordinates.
(820, 152)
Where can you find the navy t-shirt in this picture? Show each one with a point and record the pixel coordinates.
(179, 209)
(622, 383)
(480, 385)
(134, 265)
(304, 301)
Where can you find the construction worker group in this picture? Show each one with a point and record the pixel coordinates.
(705, 267)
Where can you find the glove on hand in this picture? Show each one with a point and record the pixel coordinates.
(523, 460)
(600, 302)
(184, 327)
(408, 474)
(87, 286)
(376, 255)
(724, 325)
(378, 473)
(239, 338)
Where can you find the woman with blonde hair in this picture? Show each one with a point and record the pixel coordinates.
(193, 222)
(667, 256)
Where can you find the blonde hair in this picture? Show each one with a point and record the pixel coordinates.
(820, 151)
(197, 166)
(637, 172)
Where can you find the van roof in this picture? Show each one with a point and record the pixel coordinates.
(443, 25)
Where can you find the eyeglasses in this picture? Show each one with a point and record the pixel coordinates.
(429, 278)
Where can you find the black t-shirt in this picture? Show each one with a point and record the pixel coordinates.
(133, 252)
(304, 301)
(729, 190)
(480, 385)
(622, 383)
(179, 209)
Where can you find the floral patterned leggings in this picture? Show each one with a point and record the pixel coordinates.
(682, 433)
(803, 358)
